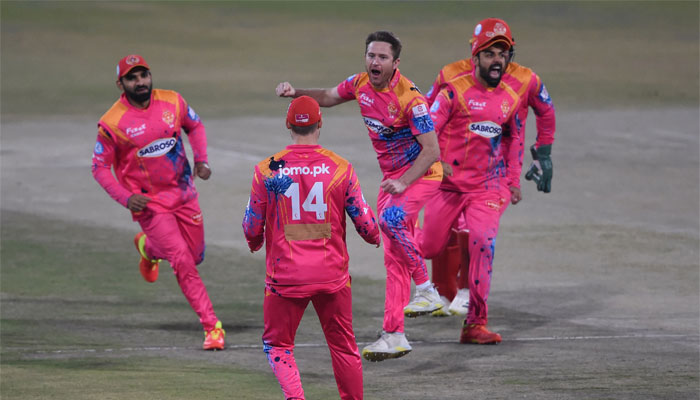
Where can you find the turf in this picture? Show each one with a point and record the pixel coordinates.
(58, 58)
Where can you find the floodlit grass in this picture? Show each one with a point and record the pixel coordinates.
(78, 322)
(58, 58)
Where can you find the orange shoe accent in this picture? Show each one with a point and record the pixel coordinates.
(214, 339)
(148, 267)
(478, 334)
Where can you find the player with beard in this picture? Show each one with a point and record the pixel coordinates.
(475, 119)
(399, 126)
(533, 94)
(140, 137)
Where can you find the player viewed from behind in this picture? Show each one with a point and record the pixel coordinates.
(399, 126)
(533, 94)
(476, 119)
(140, 137)
(297, 206)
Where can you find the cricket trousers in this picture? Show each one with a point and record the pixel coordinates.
(482, 212)
(403, 258)
(282, 316)
(178, 237)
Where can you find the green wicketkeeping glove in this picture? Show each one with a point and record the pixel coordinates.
(544, 156)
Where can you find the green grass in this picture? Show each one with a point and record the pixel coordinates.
(78, 322)
(58, 58)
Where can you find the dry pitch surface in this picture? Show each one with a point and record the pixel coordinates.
(595, 285)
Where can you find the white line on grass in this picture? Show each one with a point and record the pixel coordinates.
(259, 346)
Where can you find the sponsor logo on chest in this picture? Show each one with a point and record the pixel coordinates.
(365, 100)
(487, 129)
(157, 148)
(136, 131)
(377, 127)
(476, 105)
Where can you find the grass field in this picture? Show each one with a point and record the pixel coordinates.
(597, 290)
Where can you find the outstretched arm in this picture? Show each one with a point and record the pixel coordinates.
(327, 97)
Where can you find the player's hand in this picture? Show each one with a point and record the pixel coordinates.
(202, 170)
(392, 186)
(446, 169)
(137, 202)
(544, 156)
(285, 89)
(515, 195)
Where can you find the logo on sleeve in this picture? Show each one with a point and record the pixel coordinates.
(193, 115)
(157, 148)
(487, 129)
(420, 110)
(99, 149)
(544, 95)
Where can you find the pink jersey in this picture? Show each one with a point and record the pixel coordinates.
(478, 135)
(393, 116)
(521, 79)
(145, 148)
(297, 205)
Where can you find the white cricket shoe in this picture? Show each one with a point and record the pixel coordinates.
(389, 345)
(424, 302)
(460, 304)
(443, 311)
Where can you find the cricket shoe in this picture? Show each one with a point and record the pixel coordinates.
(460, 304)
(214, 339)
(424, 302)
(389, 345)
(443, 311)
(478, 334)
(147, 266)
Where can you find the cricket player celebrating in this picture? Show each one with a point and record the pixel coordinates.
(533, 94)
(476, 119)
(297, 206)
(140, 137)
(399, 126)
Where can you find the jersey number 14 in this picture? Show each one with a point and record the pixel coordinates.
(313, 203)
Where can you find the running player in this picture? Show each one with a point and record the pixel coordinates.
(398, 122)
(297, 206)
(476, 119)
(533, 94)
(140, 136)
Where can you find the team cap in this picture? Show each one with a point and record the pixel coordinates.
(303, 111)
(130, 62)
(488, 32)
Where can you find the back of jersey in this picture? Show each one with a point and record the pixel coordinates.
(299, 199)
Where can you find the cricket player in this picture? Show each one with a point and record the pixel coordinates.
(476, 120)
(401, 130)
(533, 94)
(297, 206)
(140, 137)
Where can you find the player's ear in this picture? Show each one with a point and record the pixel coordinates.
(289, 126)
(119, 85)
(320, 123)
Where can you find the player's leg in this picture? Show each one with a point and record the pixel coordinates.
(281, 317)
(392, 343)
(483, 215)
(436, 244)
(164, 240)
(335, 314)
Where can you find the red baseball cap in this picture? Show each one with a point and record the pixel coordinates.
(130, 62)
(303, 111)
(489, 32)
